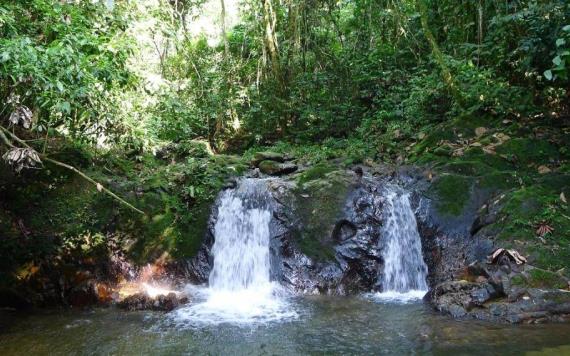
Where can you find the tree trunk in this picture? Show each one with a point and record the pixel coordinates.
(224, 34)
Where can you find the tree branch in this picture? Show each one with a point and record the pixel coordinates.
(98, 185)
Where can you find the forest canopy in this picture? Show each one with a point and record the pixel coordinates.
(138, 73)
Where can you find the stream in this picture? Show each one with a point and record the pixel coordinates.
(325, 325)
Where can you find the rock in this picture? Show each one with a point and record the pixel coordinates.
(83, 294)
(230, 184)
(142, 301)
(274, 168)
(259, 157)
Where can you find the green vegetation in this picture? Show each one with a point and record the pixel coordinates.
(132, 96)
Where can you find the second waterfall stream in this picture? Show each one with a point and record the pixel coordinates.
(405, 272)
(240, 289)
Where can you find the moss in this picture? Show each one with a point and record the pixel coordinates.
(518, 280)
(451, 193)
(498, 181)
(269, 167)
(432, 139)
(539, 278)
(470, 168)
(317, 171)
(528, 151)
(320, 202)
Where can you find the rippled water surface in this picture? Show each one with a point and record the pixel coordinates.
(324, 325)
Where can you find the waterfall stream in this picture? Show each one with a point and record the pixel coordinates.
(405, 271)
(240, 289)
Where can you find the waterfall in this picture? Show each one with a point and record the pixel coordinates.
(240, 289)
(241, 247)
(405, 271)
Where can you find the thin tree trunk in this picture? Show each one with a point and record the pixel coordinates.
(270, 20)
(224, 34)
(436, 51)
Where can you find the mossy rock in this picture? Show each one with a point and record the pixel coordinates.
(317, 171)
(540, 278)
(319, 204)
(274, 168)
(258, 157)
(498, 181)
(469, 168)
(528, 151)
(451, 193)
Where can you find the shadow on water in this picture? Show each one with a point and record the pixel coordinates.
(330, 325)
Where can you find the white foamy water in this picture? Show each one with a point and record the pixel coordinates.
(405, 271)
(240, 289)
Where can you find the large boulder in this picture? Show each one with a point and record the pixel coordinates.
(274, 168)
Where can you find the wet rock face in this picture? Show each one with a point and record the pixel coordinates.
(349, 232)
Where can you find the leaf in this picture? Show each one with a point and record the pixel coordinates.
(557, 60)
(560, 42)
(66, 106)
(99, 187)
(544, 229)
(548, 74)
(566, 28)
(563, 198)
(480, 131)
(59, 86)
(544, 169)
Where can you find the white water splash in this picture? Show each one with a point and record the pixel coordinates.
(405, 271)
(240, 288)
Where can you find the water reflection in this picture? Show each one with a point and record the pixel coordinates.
(325, 325)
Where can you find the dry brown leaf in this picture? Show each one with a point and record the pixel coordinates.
(22, 115)
(513, 255)
(544, 169)
(480, 131)
(20, 158)
(544, 229)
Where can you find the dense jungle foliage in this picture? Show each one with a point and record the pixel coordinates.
(128, 93)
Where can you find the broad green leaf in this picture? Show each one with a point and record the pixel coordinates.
(66, 107)
(560, 42)
(557, 60)
(548, 74)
